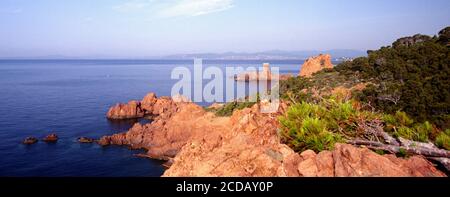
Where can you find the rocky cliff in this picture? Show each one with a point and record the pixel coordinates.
(315, 64)
(246, 144)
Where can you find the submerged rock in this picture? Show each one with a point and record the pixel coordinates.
(315, 64)
(30, 140)
(52, 138)
(85, 140)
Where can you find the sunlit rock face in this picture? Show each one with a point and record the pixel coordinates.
(247, 144)
(315, 64)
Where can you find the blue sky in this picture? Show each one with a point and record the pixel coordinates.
(141, 28)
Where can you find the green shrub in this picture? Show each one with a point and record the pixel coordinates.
(443, 140)
(291, 89)
(320, 126)
(380, 152)
(389, 119)
(342, 111)
(424, 131)
(402, 153)
(401, 125)
(305, 132)
(403, 119)
(415, 133)
(229, 108)
(411, 134)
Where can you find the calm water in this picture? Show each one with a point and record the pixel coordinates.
(71, 98)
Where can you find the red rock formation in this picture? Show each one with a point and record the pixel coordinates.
(349, 161)
(30, 140)
(150, 105)
(315, 64)
(168, 132)
(126, 111)
(85, 140)
(52, 138)
(198, 143)
(216, 106)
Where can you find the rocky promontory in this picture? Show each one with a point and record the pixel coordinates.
(149, 106)
(199, 143)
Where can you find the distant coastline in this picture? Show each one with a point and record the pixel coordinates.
(274, 55)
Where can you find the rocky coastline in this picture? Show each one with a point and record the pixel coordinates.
(196, 142)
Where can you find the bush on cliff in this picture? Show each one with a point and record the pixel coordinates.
(302, 129)
(229, 108)
(292, 89)
(319, 126)
(443, 139)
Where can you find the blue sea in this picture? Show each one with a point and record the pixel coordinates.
(70, 98)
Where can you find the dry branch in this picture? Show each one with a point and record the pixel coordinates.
(375, 127)
(409, 143)
(398, 149)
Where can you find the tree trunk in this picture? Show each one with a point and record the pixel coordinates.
(409, 143)
(398, 149)
(375, 128)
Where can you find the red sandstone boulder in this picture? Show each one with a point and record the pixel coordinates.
(149, 106)
(349, 161)
(148, 101)
(30, 140)
(126, 111)
(315, 64)
(216, 106)
(85, 140)
(52, 138)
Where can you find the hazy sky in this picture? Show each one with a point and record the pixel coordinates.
(133, 28)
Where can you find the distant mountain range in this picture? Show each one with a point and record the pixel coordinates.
(337, 54)
(271, 55)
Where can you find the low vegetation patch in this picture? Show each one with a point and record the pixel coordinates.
(319, 126)
(443, 139)
(229, 108)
